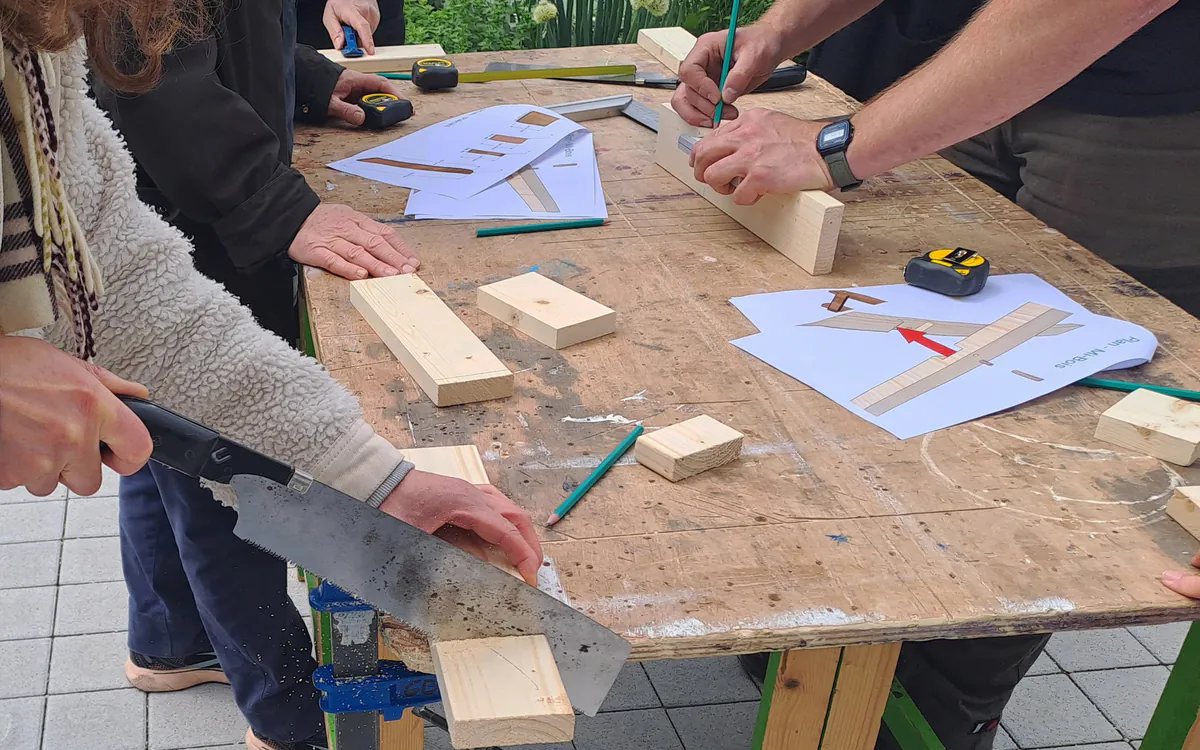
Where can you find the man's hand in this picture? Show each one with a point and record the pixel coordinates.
(55, 410)
(761, 152)
(469, 516)
(352, 86)
(360, 15)
(756, 52)
(348, 244)
(1187, 584)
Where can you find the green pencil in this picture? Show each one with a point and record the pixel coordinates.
(594, 477)
(1122, 385)
(546, 226)
(733, 14)
(396, 76)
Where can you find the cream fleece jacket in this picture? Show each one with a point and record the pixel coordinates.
(193, 345)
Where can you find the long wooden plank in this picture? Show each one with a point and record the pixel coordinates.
(397, 59)
(803, 226)
(860, 696)
(502, 691)
(669, 45)
(546, 310)
(800, 698)
(446, 359)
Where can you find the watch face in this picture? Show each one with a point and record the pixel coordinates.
(833, 137)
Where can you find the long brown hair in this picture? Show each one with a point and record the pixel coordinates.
(126, 39)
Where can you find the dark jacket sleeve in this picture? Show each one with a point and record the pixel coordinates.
(316, 76)
(213, 158)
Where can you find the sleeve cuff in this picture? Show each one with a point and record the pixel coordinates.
(316, 77)
(360, 463)
(262, 228)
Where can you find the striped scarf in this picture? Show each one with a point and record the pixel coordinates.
(46, 271)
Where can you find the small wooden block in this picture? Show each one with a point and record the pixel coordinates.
(1155, 424)
(802, 226)
(669, 45)
(461, 461)
(546, 310)
(688, 448)
(446, 359)
(398, 59)
(1184, 507)
(502, 691)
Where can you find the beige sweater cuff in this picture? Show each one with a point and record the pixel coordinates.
(358, 462)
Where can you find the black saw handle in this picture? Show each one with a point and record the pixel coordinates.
(195, 450)
(783, 78)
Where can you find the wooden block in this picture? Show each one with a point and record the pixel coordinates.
(446, 359)
(803, 226)
(502, 691)
(398, 59)
(688, 448)
(669, 45)
(863, 683)
(803, 685)
(1184, 507)
(546, 310)
(1155, 424)
(462, 461)
(406, 733)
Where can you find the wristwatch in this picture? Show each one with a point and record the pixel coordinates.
(832, 142)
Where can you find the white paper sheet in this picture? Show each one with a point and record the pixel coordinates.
(1018, 339)
(464, 155)
(565, 184)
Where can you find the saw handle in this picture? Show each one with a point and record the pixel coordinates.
(193, 449)
(783, 78)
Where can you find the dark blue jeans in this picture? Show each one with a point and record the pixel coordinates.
(194, 586)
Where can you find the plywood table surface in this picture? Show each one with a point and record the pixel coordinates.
(827, 531)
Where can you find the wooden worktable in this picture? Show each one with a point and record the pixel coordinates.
(828, 531)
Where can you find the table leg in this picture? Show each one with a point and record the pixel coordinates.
(406, 734)
(1176, 721)
(831, 698)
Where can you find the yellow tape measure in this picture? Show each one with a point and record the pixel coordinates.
(956, 272)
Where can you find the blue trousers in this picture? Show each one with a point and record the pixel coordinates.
(194, 587)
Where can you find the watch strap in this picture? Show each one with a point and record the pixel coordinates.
(839, 170)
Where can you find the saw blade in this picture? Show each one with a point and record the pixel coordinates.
(424, 581)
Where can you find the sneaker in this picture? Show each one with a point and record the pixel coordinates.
(151, 674)
(254, 741)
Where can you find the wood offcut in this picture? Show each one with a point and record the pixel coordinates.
(1184, 508)
(397, 59)
(546, 310)
(1155, 424)
(688, 448)
(669, 45)
(439, 351)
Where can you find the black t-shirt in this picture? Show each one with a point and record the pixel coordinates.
(1155, 71)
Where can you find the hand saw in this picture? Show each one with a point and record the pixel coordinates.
(396, 568)
(779, 80)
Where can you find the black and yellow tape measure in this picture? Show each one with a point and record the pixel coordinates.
(957, 272)
(434, 74)
(384, 110)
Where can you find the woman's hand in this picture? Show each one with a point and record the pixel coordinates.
(1187, 584)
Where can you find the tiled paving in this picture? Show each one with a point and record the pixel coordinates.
(62, 640)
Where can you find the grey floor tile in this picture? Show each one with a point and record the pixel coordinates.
(1043, 665)
(1050, 710)
(91, 608)
(21, 495)
(437, 739)
(694, 682)
(204, 715)
(1098, 649)
(26, 664)
(1164, 641)
(30, 564)
(1101, 746)
(631, 690)
(649, 729)
(108, 720)
(725, 727)
(21, 723)
(26, 613)
(1126, 696)
(84, 663)
(1003, 741)
(31, 522)
(91, 560)
(93, 516)
(110, 483)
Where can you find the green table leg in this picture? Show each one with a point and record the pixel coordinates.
(905, 722)
(1180, 702)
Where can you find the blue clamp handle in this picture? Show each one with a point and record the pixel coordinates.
(329, 598)
(390, 692)
(351, 48)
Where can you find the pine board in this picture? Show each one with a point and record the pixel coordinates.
(546, 310)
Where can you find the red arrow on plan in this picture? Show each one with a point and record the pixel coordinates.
(919, 337)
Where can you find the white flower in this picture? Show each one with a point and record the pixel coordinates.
(657, 8)
(637, 4)
(544, 11)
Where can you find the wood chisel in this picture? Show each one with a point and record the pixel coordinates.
(398, 569)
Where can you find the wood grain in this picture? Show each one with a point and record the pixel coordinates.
(461, 461)
(859, 697)
(669, 45)
(546, 310)
(688, 448)
(800, 703)
(395, 59)
(406, 733)
(1154, 423)
(826, 531)
(1184, 508)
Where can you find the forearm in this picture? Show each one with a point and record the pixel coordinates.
(801, 24)
(1009, 57)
